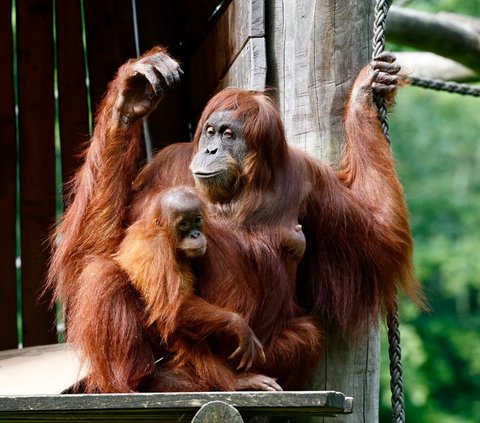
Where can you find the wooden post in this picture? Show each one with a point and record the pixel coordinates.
(236, 51)
(315, 48)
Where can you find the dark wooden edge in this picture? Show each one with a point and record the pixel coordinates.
(241, 21)
(37, 162)
(8, 174)
(72, 89)
(309, 402)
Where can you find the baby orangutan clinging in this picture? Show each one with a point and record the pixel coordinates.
(156, 258)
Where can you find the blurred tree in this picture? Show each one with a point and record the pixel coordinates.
(449, 43)
(436, 141)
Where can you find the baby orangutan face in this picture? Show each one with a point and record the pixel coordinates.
(182, 213)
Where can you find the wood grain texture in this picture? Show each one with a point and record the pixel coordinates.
(315, 49)
(172, 407)
(249, 70)
(352, 368)
(241, 22)
(316, 401)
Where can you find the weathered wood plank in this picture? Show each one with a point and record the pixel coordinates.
(169, 406)
(37, 162)
(8, 165)
(249, 70)
(240, 22)
(354, 369)
(314, 50)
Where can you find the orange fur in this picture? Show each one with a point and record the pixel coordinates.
(358, 249)
(166, 310)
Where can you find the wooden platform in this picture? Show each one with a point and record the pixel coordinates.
(31, 379)
(47, 369)
(168, 407)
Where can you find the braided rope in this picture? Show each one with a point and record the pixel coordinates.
(396, 369)
(449, 86)
(393, 320)
(379, 25)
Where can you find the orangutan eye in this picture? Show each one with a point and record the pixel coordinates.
(228, 133)
(198, 220)
(210, 130)
(184, 225)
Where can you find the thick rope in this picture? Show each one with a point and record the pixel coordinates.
(396, 369)
(449, 86)
(379, 25)
(393, 320)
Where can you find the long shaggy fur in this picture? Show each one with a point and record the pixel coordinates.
(359, 248)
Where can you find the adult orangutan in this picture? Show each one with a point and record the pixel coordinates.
(256, 189)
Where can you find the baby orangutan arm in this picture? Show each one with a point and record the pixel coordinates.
(157, 253)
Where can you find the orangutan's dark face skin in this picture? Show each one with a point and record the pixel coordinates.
(218, 164)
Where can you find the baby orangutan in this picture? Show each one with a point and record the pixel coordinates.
(156, 254)
(156, 258)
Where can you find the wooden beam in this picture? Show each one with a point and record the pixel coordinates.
(209, 64)
(430, 65)
(37, 162)
(8, 176)
(315, 50)
(353, 368)
(170, 407)
(249, 70)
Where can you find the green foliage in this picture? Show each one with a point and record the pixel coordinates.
(465, 7)
(436, 142)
